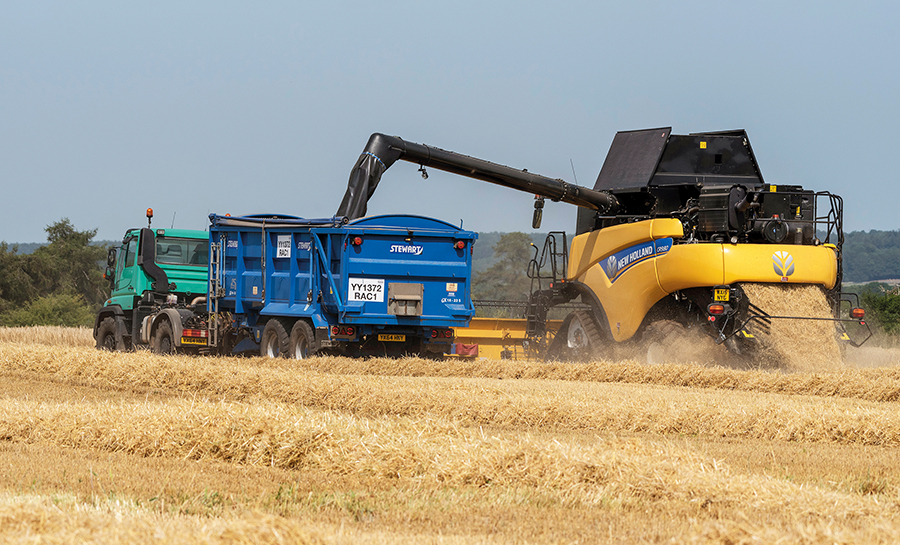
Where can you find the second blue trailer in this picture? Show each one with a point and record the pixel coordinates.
(382, 285)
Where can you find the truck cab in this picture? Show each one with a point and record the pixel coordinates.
(152, 268)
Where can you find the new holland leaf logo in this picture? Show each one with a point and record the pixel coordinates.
(783, 263)
(612, 266)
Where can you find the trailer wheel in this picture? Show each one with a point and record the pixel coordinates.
(106, 334)
(275, 340)
(163, 340)
(303, 341)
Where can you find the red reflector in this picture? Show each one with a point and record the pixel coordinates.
(357, 241)
(448, 333)
(434, 333)
(858, 313)
(716, 309)
(335, 330)
(349, 331)
(460, 244)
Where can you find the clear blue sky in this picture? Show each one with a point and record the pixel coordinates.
(107, 108)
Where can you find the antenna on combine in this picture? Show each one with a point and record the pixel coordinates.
(173, 220)
(571, 162)
(149, 217)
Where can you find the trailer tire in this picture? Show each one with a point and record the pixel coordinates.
(275, 341)
(106, 334)
(303, 341)
(163, 339)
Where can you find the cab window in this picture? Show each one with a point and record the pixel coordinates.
(181, 251)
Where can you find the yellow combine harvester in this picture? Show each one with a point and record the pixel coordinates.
(671, 230)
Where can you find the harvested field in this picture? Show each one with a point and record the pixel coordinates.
(134, 448)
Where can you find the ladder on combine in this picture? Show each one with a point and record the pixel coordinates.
(547, 270)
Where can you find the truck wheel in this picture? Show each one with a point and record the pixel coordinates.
(106, 334)
(303, 341)
(163, 340)
(275, 340)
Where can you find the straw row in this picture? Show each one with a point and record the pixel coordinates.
(49, 335)
(508, 404)
(881, 384)
(427, 450)
(29, 519)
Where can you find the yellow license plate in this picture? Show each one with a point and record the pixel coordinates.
(391, 338)
(193, 340)
(721, 294)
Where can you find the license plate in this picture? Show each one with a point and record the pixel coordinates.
(721, 294)
(193, 340)
(391, 338)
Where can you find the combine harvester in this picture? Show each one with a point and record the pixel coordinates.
(675, 231)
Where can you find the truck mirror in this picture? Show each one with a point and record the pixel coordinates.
(111, 257)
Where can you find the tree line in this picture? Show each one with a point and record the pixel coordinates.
(60, 283)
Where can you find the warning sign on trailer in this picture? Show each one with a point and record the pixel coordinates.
(366, 289)
(284, 246)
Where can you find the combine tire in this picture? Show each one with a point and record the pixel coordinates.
(106, 335)
(579, 338)
(275, 340)
(163, 340)
(303, 341)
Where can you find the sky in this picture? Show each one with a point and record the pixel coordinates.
(192, 108)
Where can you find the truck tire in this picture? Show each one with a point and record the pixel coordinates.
(163, 341)
(106, 334)
(303, 341)
(275, 340)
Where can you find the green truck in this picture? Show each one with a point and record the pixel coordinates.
(153, 268)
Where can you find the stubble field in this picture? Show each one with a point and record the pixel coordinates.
(136, 448)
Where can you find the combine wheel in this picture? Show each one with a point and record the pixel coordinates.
(106, 334)
(578, 338)
(163, 341)
(275, 340)
(659, 338)
(303, 341)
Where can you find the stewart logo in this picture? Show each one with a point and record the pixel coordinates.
(783, 263)
(404, 249)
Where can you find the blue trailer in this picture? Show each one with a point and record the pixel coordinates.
(382, 285)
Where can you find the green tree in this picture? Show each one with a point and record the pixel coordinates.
(883, 308)
(70, 264)
(62, 309)
(16, 286)
(58, 284)
(506, 279)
